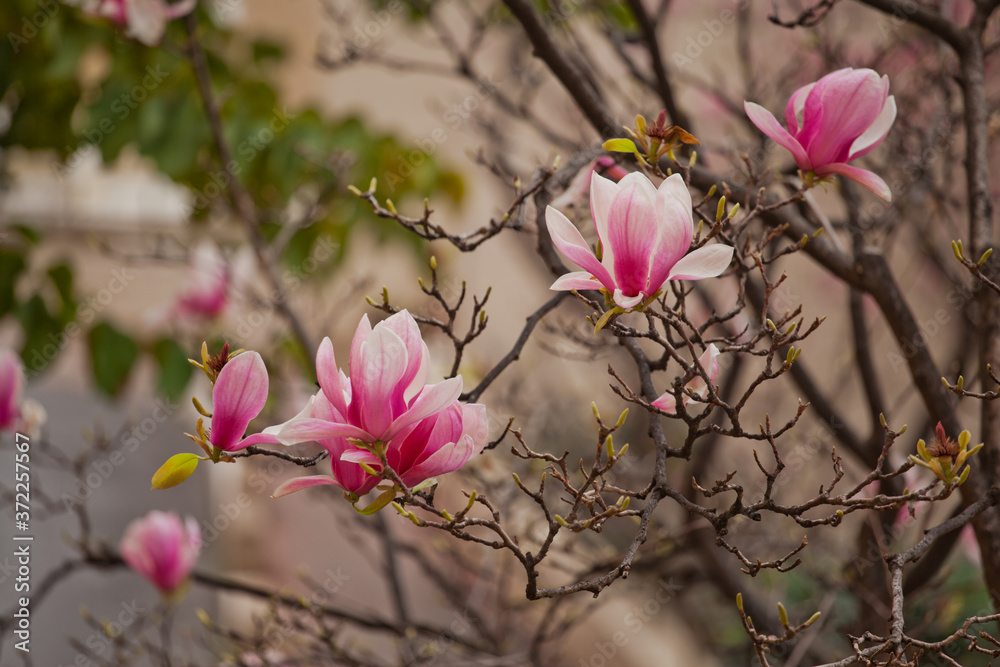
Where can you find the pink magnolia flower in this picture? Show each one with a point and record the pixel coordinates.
(239, 395)
(645, 234)
(207, 290)
(422, 428)
(145, 20)
(709, 362)
(833, 121)
(11, 387)
(161, 548)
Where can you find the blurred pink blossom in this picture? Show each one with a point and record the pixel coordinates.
(145, 20)
(709, 362)
(833, 121)
(161, 548)
(645, 234)
(422, 428)
(207, 290)
(11, 387)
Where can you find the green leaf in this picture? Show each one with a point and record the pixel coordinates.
(112, 354)
(11, 266)
(62, 277)
(175, 370)
(176, 469)
(619, 146)
(383, 500)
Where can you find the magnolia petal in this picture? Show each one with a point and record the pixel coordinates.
(449, 458)
(769, 125)
(705, 262)
(673, 213)
(256, 439)
(628, 302)
(633, 232)
(861, 176)
(239, 395)
(384, 363)
(299, 430)
(850, 103)
(569, 241)
(357, 455)
(667, 403)
(433, 398)
(180, 9)
(299, 483)
(877, 132)
(404, 326)
(329, 376)
(577, 280)
(602, 193)
(796, 106)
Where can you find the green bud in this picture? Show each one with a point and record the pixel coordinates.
(956, 247)
(621, 419)
(813, 618)
(881, 420)
(392, 207)
(434, 263)
(721, 209)
(733, 210)
(985, 256)
(739, 602)
(782, 615)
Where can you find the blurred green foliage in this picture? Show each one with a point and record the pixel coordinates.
(71, 84)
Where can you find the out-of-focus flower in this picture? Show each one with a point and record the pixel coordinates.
(162, 548)
(945, 457)
(580, 184)
(709, 362)
(239, 395)
(145, 20)
(16, 412)
(645, 234)
(833, 121)
(11, 386)
(386, 407)
(207, 291)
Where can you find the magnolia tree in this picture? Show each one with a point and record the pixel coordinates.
(796, 314)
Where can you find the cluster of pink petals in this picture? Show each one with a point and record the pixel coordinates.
(645, 234)
(11, 387)
(423, 429)
(145, 20)
(161, 548)
(833, 121)
(709, 363)
(207, 291)
(239, 395)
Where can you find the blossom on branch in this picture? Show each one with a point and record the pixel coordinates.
(384, 413)
(162, 548)
(145, 20)
(833, 121)
(709, 363)
(644, 236)
(238, 396)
